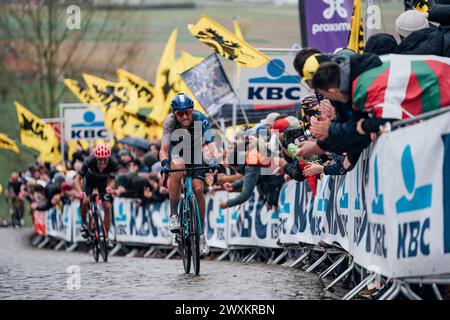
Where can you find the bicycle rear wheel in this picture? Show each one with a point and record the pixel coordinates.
(185, 246)
(102, 238)
(194, 234)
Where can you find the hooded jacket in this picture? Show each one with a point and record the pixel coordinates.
(433, 40)
(342, 134)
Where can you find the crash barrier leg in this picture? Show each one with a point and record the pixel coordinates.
(436, 291)
(409, 293)
(59, 245)
(317, 263)
(116, 249)
(171, 253)
(432, 281)
(251, 255)
(333, 266)
(341, 276)
(44, 243)
(132, 253)
(301, 258)
(72, 247)
(281, 256)
(36, 240)
(396, 291)
(149, 252)
(390, 290)
(223, 255)
(360, 287)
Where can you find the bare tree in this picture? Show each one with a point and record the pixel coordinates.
(39, 48)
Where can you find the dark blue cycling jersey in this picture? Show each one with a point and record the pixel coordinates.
(171, 124)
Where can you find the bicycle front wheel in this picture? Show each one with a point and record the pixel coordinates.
(102, 238)
(93, 235)
(185, 244)
(194, 234)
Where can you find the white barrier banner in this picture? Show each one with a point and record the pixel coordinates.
(266, 226)
(215, 226)
(141, 224)
(407, 199)
(251, 224)
(335, 202)
(297, 222)
(241, 220)
(59, 223)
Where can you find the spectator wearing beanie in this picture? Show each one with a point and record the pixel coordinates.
(418, 37)
(381, 43)
(410, 21)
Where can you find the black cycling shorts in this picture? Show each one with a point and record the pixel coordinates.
(101, 189)
(197, 174)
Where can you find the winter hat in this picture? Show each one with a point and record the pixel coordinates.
(410, 21)
(381, 43)
(280, 125)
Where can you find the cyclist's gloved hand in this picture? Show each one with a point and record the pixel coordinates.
(165, 166)
(81, 195)
(213, 165)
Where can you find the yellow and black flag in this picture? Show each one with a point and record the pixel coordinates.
(7, 143)
(112, 94)
(79, 90)
(146, 92)
(119, 103)
(34, 132)
(53, 156)
(421, 5)
(238, 33)
(167, 81)
(226, 43)
(356, 36)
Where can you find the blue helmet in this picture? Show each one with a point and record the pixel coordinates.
(182, 102)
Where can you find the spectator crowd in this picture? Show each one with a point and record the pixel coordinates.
(326, 135)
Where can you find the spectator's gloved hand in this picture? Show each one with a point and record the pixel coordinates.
(213, 165)
(165, 166)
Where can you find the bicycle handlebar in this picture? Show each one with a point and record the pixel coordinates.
(166, 175)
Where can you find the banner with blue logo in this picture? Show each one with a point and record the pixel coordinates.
(58, 223)
(135, 223)
(270, 85)
(408, 201)
(84, 122)
(215, 225)
(252, 224)
(335, 203)
(297, 220)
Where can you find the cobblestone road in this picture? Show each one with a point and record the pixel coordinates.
(30, 273)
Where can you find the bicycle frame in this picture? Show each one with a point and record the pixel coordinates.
(188, 192)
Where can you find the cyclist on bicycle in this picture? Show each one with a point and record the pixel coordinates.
(202, 150)
(98, 172)
(14, 193)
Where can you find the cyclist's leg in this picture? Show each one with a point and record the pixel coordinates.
(198, 186)
(106, 203)
(84, 205)
(175, 185)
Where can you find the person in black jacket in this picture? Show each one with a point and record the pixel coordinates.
(419, 36)
(333, 81)
(380, 44)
